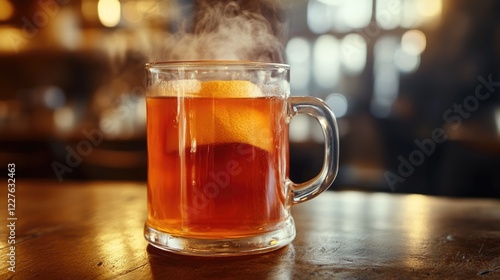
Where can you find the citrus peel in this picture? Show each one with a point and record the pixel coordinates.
(214, 116)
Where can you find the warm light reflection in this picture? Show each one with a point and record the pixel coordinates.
(429, 8)
(419, 227)
(131, 12)
(353, 209)
(141, 111)
(382, 210)
(121, 237)
(6, 10)
(13, 39)
(66, 28)
(390, 14)
(326, 62)
(419, 12)
(413, 42)
(109, 12)
(135, 11)
(147, 7)
(64, 118)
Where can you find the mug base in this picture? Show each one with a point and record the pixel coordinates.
(248, 245)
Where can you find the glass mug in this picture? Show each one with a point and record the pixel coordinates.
(218, 153)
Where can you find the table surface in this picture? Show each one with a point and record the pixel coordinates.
(94, 230)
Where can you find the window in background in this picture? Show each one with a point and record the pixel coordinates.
(346, 36)
(298, 53)
(352, 54)
(326, 61)
(353, 48)
(339, 15)
(386, 80)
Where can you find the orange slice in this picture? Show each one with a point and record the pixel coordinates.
(229, 89)
(214, 115)
(221, 121)
(215, 89)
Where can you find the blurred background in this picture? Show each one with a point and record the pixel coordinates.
(414, 84)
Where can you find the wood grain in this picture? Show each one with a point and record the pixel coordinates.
(93, 230)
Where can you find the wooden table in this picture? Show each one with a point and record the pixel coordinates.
(93, 230)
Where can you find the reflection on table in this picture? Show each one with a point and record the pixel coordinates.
(95, 230)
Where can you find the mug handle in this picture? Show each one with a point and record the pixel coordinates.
(318, 109)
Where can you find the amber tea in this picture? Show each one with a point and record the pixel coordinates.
(215, 171)
(217, 134)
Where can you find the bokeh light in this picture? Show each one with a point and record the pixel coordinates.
(326, 58)
(109, 12)
(406, 62)
(54, 97)
(429, 8)
(299, 128)
(354, 49)
(64, 118)
(388, 13)
(356, 13)
(6, 10)
(338, 103)
(298, 56)
(413, 42)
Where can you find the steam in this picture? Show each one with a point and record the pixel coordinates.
(222, 30)
(235, 30)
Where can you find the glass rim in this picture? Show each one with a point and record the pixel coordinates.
(228, 64)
